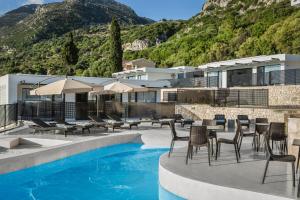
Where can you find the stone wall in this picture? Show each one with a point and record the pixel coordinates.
(198, 111)
(281, 95)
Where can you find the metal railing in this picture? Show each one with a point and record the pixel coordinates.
(8, 115)
(220, 98)
(140, 110)
(279, 77)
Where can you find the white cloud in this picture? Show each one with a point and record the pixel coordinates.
(34, 2)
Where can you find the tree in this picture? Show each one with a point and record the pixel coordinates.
(116, 52)
(70, 54)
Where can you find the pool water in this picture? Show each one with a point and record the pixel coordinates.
(117, 172)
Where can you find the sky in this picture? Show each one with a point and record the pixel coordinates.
(154, 9)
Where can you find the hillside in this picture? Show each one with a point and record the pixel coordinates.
(225, 29)
(31, 24)
(230, 29)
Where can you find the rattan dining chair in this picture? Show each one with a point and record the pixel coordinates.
(277, 134)
(175, 137)
(198, 138)
(234, 142)
(261, 130)
(278, 158)
(211, 133)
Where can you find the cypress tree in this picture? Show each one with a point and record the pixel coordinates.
(70, 54)
(116, 52)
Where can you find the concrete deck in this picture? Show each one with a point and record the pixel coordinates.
(36, 149)
(226, 179)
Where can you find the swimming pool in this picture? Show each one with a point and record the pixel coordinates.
(117, 172)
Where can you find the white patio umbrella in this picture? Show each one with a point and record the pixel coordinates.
(62, 87)
(120, 87)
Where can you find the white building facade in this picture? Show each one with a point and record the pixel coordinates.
(277, 69)
(152, 73)
(16, 87)
(295, 2)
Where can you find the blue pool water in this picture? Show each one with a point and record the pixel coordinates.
(117, 172)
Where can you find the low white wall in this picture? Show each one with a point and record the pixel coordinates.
(62, 151)
(195, 190)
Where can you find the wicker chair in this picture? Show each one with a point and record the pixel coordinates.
(234, 142)
(277, 134)
(221, 120)
(175, 137)
(244, 120)
(211, 134)
(278, 158)
(198, 138)
(261, 130)
(246, 133)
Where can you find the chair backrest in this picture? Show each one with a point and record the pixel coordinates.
(219, 117)
(261, 129)
(173, 130)
(209, 122)
(178, 116)
(95, 118)
(261, 120)
(198, 135)
(277, 131)
(242, 117)
(40, 123)
(114, 117)
(238, 131)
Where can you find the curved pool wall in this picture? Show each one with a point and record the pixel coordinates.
(124, 171)
(49, 154)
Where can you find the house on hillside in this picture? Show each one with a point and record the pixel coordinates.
(295, 2)
(280, 69)
(152, 73)
(138, 63)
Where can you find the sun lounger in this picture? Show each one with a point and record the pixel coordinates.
(41, 126)
(117, 119)
(98, 122)
(82, 127)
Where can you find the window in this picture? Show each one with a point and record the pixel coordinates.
(212, 79)
(239, 77)
(269, 75)
(147, 97)
(170, 96)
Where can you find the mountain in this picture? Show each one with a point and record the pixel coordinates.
(227, 29)
(224, 29)
(33, 23)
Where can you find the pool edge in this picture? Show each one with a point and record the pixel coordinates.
(50, 154)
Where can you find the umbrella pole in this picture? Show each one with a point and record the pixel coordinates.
(64, 107)
(97, 104)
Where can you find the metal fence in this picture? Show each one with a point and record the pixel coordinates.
(140, 110)
(221, 98)
(8, 115)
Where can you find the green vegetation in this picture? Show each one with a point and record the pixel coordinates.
(241, 29)
(116, 52)
(70, 54)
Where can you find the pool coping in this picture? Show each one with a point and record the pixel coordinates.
(53, 153)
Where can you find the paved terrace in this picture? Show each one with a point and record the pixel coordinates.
(225, 178)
